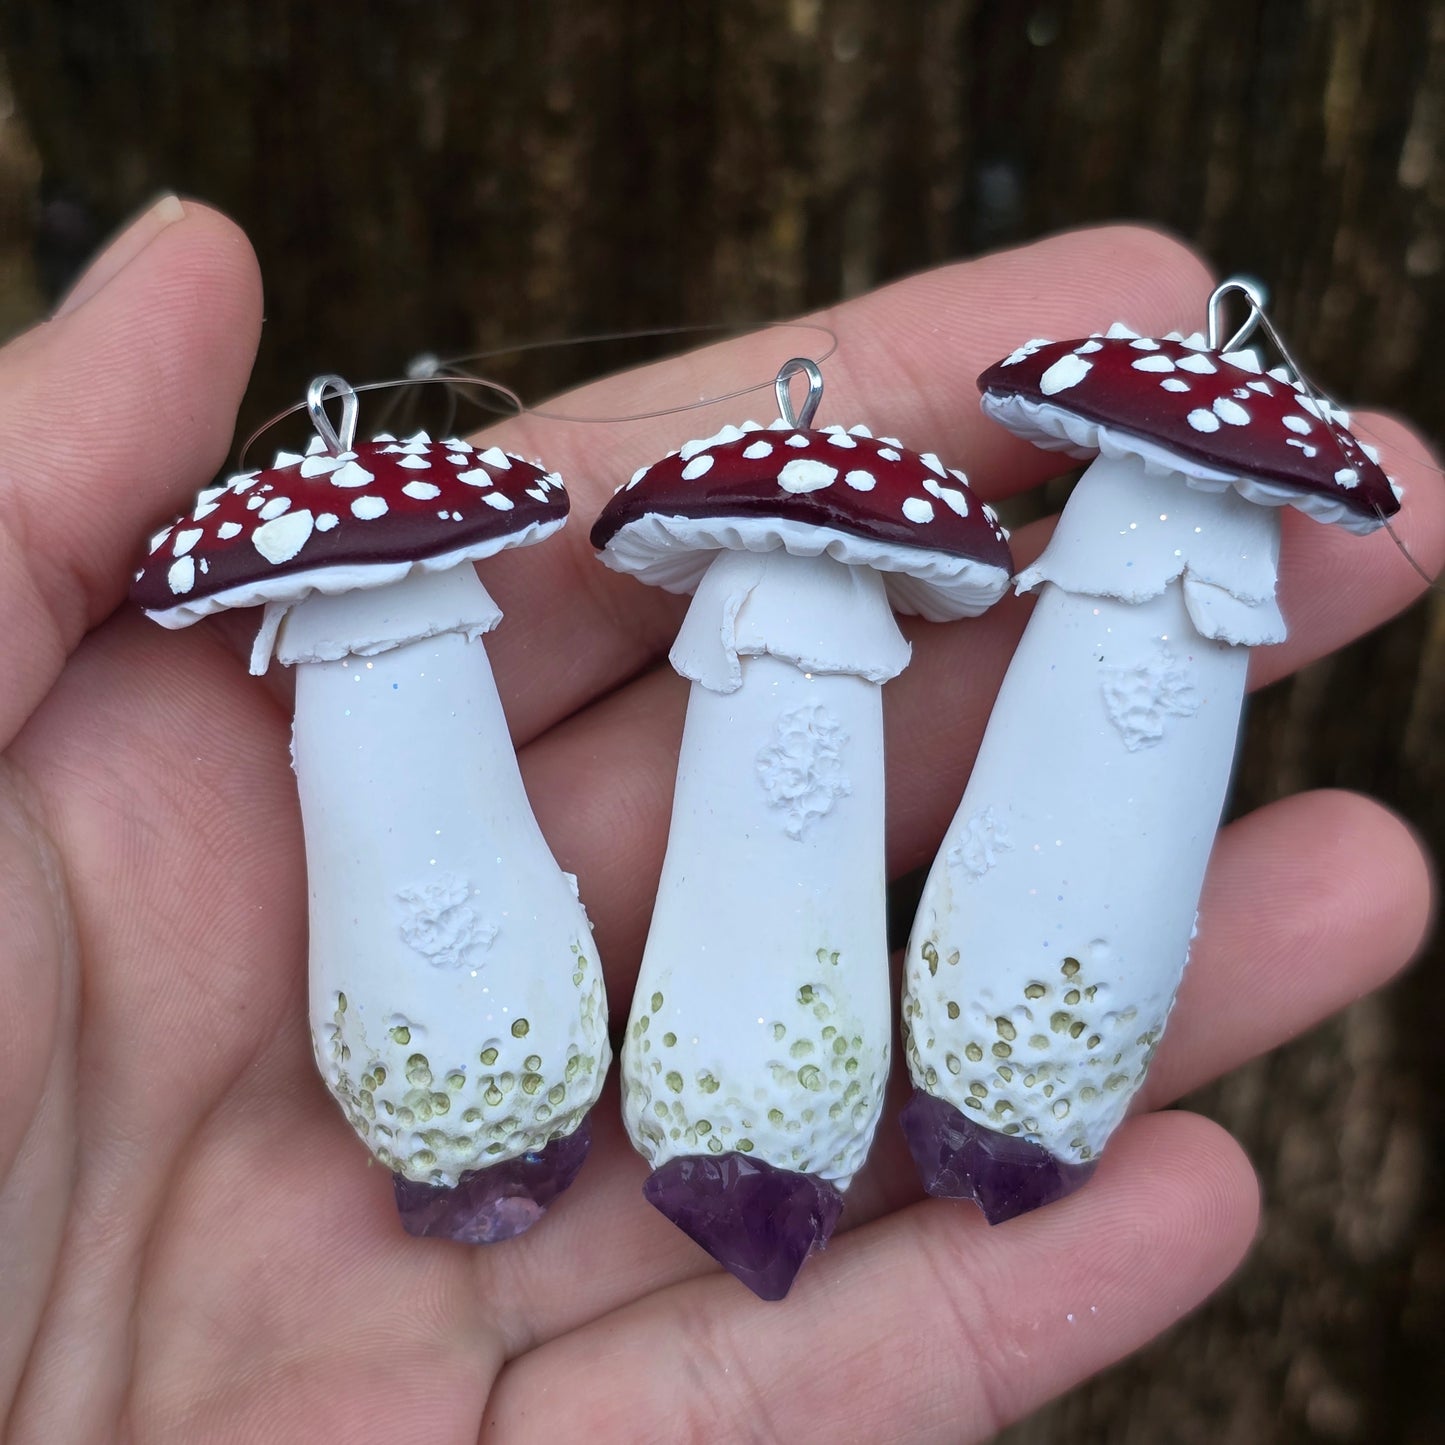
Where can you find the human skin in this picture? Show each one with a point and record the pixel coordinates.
(192, 1247)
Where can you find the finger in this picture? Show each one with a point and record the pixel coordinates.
(1333, 586)
(906, 362)
(113, 414)
(1309, 904)
(607, 773)
(927, 1325)
(184, 877)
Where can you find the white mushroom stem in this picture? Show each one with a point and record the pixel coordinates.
(761, 1019)
(457, 1009)
(1055, 925)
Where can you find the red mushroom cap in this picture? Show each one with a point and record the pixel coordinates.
(863, 500)
(1211, 415)
(272, 535)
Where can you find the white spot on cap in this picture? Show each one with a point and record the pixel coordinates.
(274, 508)
(326, 521)
(1088, 348)
(351, 474)
(227, 530)
(481, 477)
(1155, 361)
(1202, 420)
(1144, 343)
(182, 574)
(554, 481)
(457, 459)
(1024, 352)
(495, 457)
(1197, 363)
(158, 539)
(890, 454)
(1372, 452)
(456, 444)
(1119, 332)
(320, 465)
(287, 459)
(1262, 387)
(699, 466)
(933, 464)
(754, 453)
(537, 494)
(499, 500)
(837, 436)
(802, 474)
(1174, 383)
(799, 440)
(315, 446)
(917, 510)
(255, 501)
(186, 540)
(1305, 447)
(203, 509)
(951, 497)
(415, 463)
(1067, 371)
(860, 431)
(368, 509)
(422, 491)
(1230, 411)
(1245, 360)
(280, 540)
(1298, 425)
(1348, 478)
(861, 481)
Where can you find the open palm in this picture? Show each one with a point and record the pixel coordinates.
(193, 1245)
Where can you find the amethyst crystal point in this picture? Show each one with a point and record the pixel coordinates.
(1004, 1174)
(758, 1221)
(498, 1202)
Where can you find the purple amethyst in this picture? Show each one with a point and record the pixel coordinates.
(1004, 1174)
(758, 1221)
(503, 1200)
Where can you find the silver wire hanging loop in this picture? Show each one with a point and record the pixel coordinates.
(325, 388)
(322, 389)
(1254, 293)
(1259, 318)
(803, 417)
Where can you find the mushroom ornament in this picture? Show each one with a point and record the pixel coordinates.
(457, 1009)
(1056, 921)
(755, 1058)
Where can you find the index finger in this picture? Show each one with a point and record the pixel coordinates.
(113, 414)
(906, 362)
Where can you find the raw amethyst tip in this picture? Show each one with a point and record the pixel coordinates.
(758, 1221)
(498, 1202)
(1004, 1174)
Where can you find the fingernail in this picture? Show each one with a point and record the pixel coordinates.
(123, 250)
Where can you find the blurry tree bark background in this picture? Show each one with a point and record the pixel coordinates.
(429, 176)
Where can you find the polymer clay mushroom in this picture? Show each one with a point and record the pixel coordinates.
(756, 1055)
(1055, 925)
(457, 1010)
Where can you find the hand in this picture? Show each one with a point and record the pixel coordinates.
(194, 1246)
